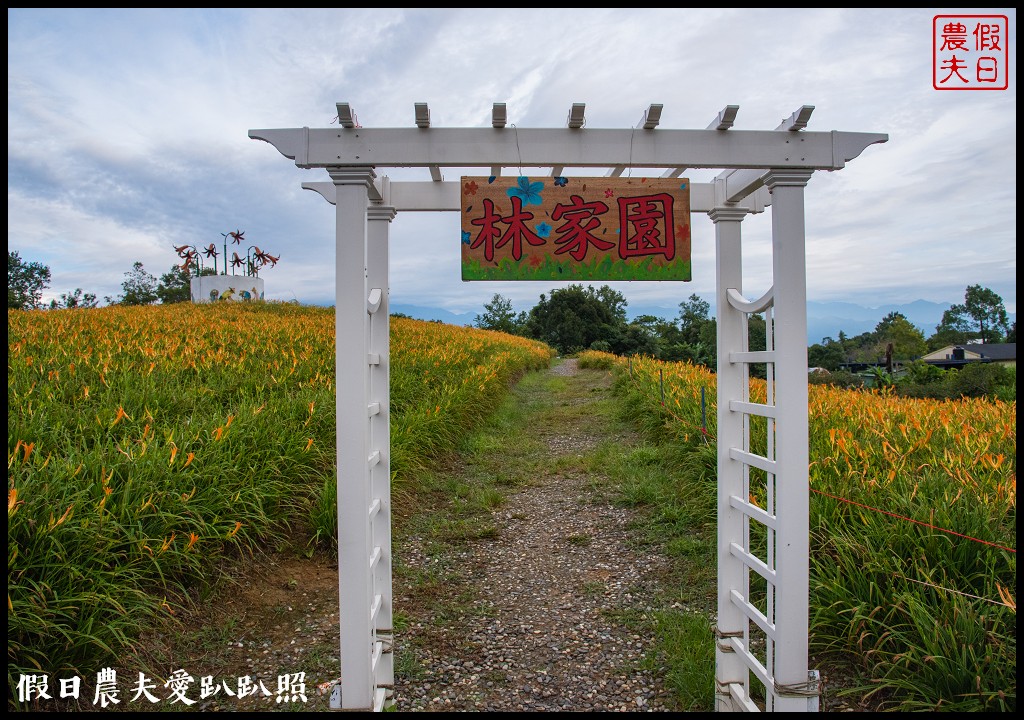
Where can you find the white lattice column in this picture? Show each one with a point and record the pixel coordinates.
(379, 224)
(794, 691)
(732, 385)
(352, 386)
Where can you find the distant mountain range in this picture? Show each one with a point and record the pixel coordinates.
(824, 319)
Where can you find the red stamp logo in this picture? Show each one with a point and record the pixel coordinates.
(970, 52)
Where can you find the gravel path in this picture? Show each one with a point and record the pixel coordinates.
(544, 629)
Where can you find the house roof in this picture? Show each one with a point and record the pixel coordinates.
(995, 351)
(987, 352)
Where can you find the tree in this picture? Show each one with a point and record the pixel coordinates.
(613, 300)
(175, 286)
(74, 300)
(694, 314)
(981, 316)
(907, 341)
(499, 315)
(574, 317)
(139, 287)
(828, 354)
(25, 282)
(864, 348)
(633, 339)
(951, 330)
(697, 338)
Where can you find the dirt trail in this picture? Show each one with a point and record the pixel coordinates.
(544, 610)
(544, 626)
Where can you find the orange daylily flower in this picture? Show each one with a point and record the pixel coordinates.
(121, 415)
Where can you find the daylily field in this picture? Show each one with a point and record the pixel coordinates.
(147, 443)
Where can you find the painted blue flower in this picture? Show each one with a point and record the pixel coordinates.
(683, 186)
(561, 181)
(543, 230)
(527, 191)
(466, 237)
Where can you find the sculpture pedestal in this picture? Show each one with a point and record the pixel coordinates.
(213, 288)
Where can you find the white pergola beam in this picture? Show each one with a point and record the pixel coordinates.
(414, 196)
(499, 116)
(725, 118)
(798, 120)
(422, 115)
(738, 184)
(346, 118)
(652, 117)
(576, 116)
(488, 147)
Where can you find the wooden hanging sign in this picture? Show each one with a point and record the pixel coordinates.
(575, 228)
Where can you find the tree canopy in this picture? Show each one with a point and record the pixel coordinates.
(499, 315)
(982, 316)
(139, 287)
(573, 318)
(25, 282)
(907, 341)
(176, 285)
(76, 299)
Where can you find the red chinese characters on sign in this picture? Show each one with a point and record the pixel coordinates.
(533, 228)
(576, 234)
(646, 226)
(516, 231)
(970, 52)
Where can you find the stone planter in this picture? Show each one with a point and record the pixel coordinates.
(214, 288)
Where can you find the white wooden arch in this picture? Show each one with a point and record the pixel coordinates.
(761, 637)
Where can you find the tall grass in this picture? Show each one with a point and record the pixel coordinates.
(928, 617)
(146, 444)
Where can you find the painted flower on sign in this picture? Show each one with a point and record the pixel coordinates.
(527, 191)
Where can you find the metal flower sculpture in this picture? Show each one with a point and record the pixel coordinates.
(264, 258)
(258, 259)
(254, 260)
(190, 255)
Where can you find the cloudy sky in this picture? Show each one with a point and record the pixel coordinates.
(128, 135)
